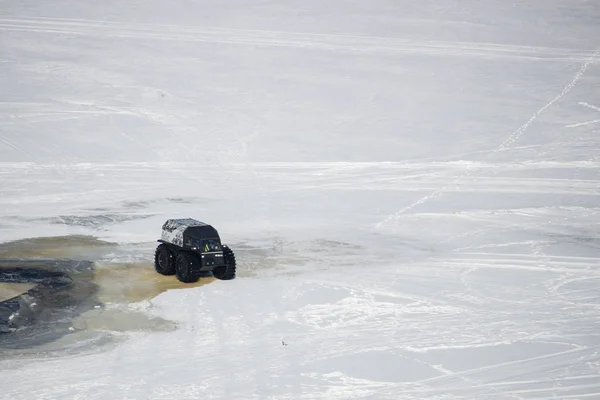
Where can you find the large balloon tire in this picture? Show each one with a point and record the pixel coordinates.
(184, 267)
(164, 262)
(226, 272)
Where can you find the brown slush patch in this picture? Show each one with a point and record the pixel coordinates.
(10, 290)
(59, 293)
(131, 283)
(76, 247)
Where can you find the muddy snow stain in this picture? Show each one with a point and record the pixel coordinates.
(53, 293)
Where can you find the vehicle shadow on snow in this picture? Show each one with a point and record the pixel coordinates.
(57, 298)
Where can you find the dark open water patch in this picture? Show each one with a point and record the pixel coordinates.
(62, 289)
(56, 299)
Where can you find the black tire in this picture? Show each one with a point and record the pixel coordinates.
(226, 272)
(164, 262)
(185, 265)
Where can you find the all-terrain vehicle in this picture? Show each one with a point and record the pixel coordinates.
(189, 247)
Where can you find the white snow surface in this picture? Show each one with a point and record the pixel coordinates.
(412, 189)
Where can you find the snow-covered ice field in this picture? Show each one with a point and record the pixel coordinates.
(412, 190)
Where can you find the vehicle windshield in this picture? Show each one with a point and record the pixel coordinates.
(191, 242)
(211, 245)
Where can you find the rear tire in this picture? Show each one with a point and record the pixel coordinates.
(184, 267)
(226, 272)
(164, 262)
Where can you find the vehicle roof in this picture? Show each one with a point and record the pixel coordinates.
(186, 222)
(192, 228)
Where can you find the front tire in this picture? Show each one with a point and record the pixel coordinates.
(226, 272)
(184, 267)
(164, 262)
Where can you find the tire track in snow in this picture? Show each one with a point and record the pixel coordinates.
(512, 364)
(519, 132)
(18, 148)
(588, 105)
(512, 138)
(287, 39)
(465, 185)
(523, 262)
(392, 178)
(585, 123)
